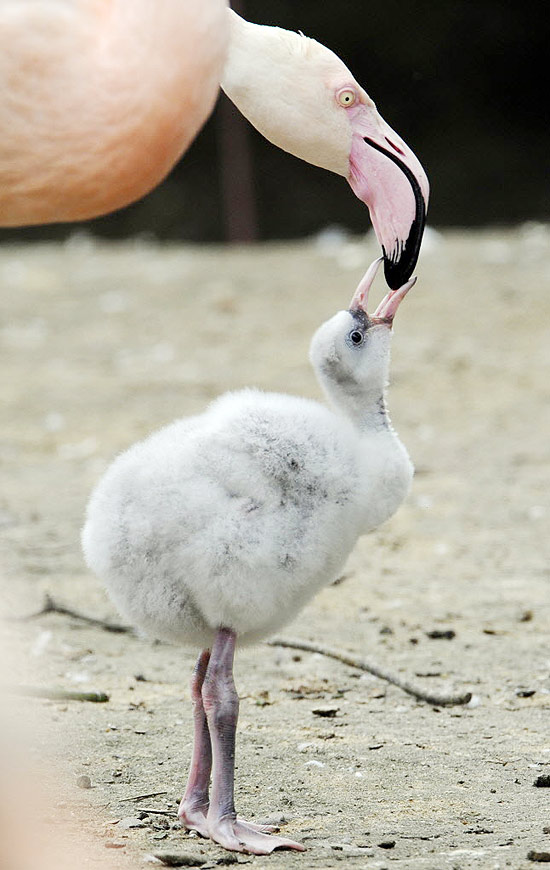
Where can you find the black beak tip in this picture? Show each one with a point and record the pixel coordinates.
(397, 273)
(401, 261)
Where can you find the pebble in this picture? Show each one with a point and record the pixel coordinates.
(441, 634)
(541, 857)
(84, 781)
(131, 822)
(179, 859)
(542, 781)
(160, 823)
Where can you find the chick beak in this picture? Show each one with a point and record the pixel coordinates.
(361, 295)
(390, 303)
(387, 308)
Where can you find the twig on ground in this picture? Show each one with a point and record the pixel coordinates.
(371, 668)
(52, 606)
(141, 797)
(57, 694)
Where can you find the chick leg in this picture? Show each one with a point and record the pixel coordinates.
(221, 705)
(193, 808)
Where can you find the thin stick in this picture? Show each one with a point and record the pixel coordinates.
(57, 694)
(52, 606)
(375, 670)
(141, 797)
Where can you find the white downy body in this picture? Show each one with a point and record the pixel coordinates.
(238, 516)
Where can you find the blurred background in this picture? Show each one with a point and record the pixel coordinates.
(457, 80)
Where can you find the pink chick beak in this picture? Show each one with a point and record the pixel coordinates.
(387, 176)
(386, 310)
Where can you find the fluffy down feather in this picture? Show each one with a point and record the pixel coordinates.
(237, 517)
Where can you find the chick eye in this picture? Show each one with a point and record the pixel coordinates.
(356, 337)
(346, 97)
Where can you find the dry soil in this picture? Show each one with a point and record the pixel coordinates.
(101, 344)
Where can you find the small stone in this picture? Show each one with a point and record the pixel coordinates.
(326, 712)
(179, 859)
(526, 616)
(542, 781)
(84, 781)
(387, 844)
(161, 824)
(115, 844)
(131, 822)
(541, 857)
(441, 634)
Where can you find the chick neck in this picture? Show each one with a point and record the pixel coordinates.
(360, 399)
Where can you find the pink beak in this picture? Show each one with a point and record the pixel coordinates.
(389, 179)
(390, 303)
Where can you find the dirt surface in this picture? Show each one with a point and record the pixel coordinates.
(102, 344)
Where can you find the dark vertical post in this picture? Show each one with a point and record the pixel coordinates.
(239, 212)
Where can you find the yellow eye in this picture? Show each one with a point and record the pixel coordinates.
(346, 97)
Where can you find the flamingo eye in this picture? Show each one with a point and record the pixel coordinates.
(346, 97)
(356, 337)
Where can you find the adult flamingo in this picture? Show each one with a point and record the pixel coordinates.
(100, 98)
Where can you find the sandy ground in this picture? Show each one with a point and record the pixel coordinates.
(100, 345)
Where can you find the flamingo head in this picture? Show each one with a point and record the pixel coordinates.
(302, 97)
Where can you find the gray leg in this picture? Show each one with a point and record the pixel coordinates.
(221, 705)
(193, 808)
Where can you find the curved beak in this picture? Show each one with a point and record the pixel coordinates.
(388, 177)
(389, 304)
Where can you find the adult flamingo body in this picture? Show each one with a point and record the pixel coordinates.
(99, 99)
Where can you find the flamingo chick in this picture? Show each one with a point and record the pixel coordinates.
(100, 98)
(218, 528)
